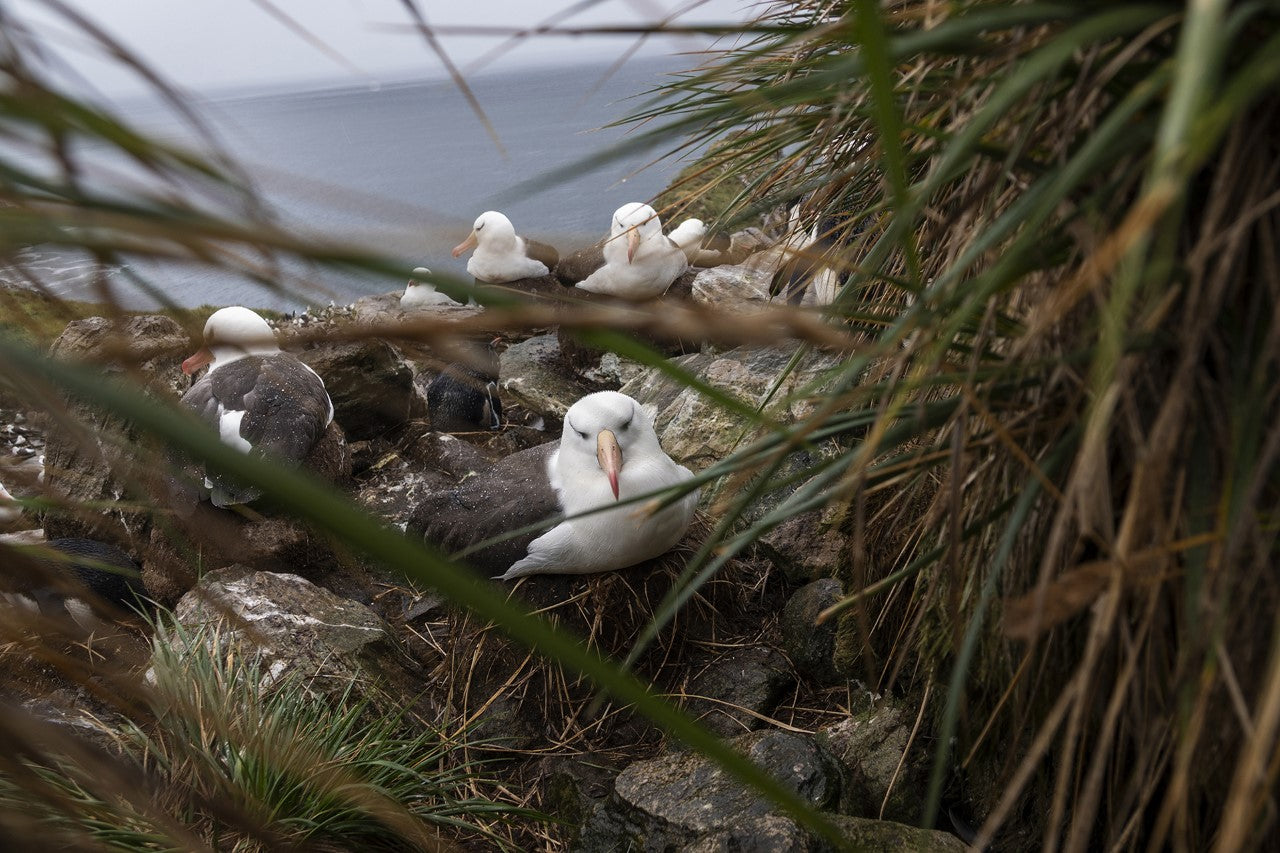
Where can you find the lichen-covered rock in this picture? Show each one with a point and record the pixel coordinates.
(91, 458)
(811, 646)
(369, 382)
(293, 628)
(869, 747)
(731, 694)
(679, 800)
(697, 432)
(886, 836)
(539, 379)
(805, 546)
(738, 289)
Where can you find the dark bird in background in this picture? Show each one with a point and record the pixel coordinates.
(92, 582)
(464, 398)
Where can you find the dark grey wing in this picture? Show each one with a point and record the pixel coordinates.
(580, 264)
(186, 480)
(286, 407)
(542, 252)
(103, 569)
(512, 494)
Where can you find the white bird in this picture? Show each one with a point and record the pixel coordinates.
(421, 293)
(688, 236)
(501, 255)
(258, 398)
(608, 451)
(10, 511)
(639, 261)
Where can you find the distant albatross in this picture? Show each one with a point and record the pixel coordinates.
(258, 398)
(501, 255)
(420, 292)
(608, 451)
(640, 262)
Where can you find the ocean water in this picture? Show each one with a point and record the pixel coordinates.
(403, 170)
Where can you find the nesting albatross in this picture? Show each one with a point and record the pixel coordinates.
(258, 398)
(640, 262)
(501, 255)
(418, 294)
(608, 451)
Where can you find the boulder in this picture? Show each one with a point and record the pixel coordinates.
(295, 628)
(724, 695)
(370, 383)
(697, 432)
(886, 836)
(869, 747)
(805, 546)
(811, 646)
(539, 379)
(91, 457)
(739, 289)
(684, 801)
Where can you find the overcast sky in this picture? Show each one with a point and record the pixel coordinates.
(211, 45)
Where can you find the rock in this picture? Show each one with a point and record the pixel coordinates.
(91, 457)
(697, 432)
(732, 288)
(571, 787)
(810, 646)
(869, 747)
(294, 628)
(738, 682)
(804, 546)
(534, 374)
(684, 801)
(886, 836)
(370, 383)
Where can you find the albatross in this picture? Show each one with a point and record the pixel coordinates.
(608, 452)
(258, 398)
(421, 293)
(640, 262)
(501, 255)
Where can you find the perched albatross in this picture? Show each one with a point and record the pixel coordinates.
(10, 511)
(501, 255)
(640, 262)
(608, 451)
(419, 293)
(258, 398)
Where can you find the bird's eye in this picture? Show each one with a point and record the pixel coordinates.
(627, 424)
(581, 433)
(479, 225)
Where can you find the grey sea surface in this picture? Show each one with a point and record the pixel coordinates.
(402, 171)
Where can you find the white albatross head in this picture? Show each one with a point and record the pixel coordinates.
(604, 430)
(491, 230)
(688, 236)
(229, 334)
(635, 222)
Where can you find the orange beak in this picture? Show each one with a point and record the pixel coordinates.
(202, 357)
(609, 455)
(469, 243)
(633, 241)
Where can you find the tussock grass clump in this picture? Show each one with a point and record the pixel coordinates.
(230, 758)
(1061, 509)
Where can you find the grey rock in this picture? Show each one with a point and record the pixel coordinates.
(869, 747)
(91, 456)
(534, 374)
(805, 546)
(293, 628)
(737, 683)
(370, 383)
(810, 645)
(685, 801)
(886, 836)
(738, 289)
(697, 432)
